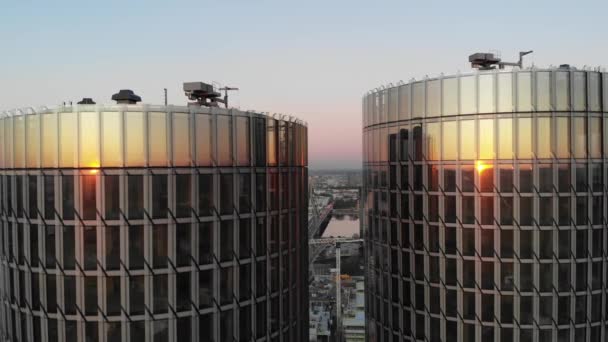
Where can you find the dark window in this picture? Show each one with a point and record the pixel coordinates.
(205, 243)
(205, 195)
(159, 196)
(70, 295)
(159, 246)
(67, 191)
(113, 296)
(183, 291)
(33, 196)
(182, 195)
(49, 197)
(90, 247)
(226, 188)
(160, 293)
(89, 197)
(69, 248)
(136, 247)
(49, 243)
(183, 238)
(112, 196)
(226, 240)
(112, 247)
(260, 192)
(205, 289)
(136, 295)
(90, 295)
(244, 193)
(136, 197)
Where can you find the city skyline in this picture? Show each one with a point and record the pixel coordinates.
(312, 60)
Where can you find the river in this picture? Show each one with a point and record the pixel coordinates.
(344, 226)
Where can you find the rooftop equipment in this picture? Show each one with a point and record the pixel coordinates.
(126, 96)
(488, 61)
(205, 95)
(87, 100)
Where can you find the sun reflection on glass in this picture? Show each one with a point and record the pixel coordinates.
(480, 166)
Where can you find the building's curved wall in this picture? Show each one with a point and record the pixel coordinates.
(485, 207)
(152, 223)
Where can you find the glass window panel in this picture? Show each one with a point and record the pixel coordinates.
(49, 140)
(161, 293)
(67, 139)
(595, 137)
(543, 91)
(136, 247)
(134, 129)
(226, 193)
(562, 148)
(111, 148)
(19, 136)
(433, 141)
(183, 195)
(135, 196)
(242, 136)
(157, 139)
(181, 139)
(90, 247)
(562, 91)
(418, 100)
(112, 252)
(392, 104)
(433, 98)
(204, 139)
(524, 92)
(605, 90)
(505, 138)
(404, 102)
(594, 104)
(159, 196)
(543, 134)
(112, 197)
(113, 296)
(524, 138)
(450, 140)
(505, 92)
(579, 137)
(450, 96)
(468, 102)
(2, 145)
(383, 106)
(486, 139)
(8, 141)
(159, 246)
(136, 295)
(67, 190)
(486, 93)
(89, 197)
(226, 240)
(90, 295)
(33, 140)
(205, 194)
(467, 140)
(224, 140)
(69, 248)
(89, 140)
(579, 91)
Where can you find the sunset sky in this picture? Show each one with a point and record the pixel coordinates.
(310, 59)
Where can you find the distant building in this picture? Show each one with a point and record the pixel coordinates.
(485, 207)
(135, 222)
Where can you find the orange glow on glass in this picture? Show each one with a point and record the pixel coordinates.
(480, 166)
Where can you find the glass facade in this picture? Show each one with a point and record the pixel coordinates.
(152, 223)
(487, 221)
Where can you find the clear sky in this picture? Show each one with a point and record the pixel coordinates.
(312, 59)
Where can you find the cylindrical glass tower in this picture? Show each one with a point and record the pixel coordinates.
(152, 223)
(485, 207)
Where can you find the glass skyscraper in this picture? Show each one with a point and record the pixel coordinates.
(136, 222)
(485, 207)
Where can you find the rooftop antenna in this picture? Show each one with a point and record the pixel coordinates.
(226, 89)
(489, 61)
(165, 96)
